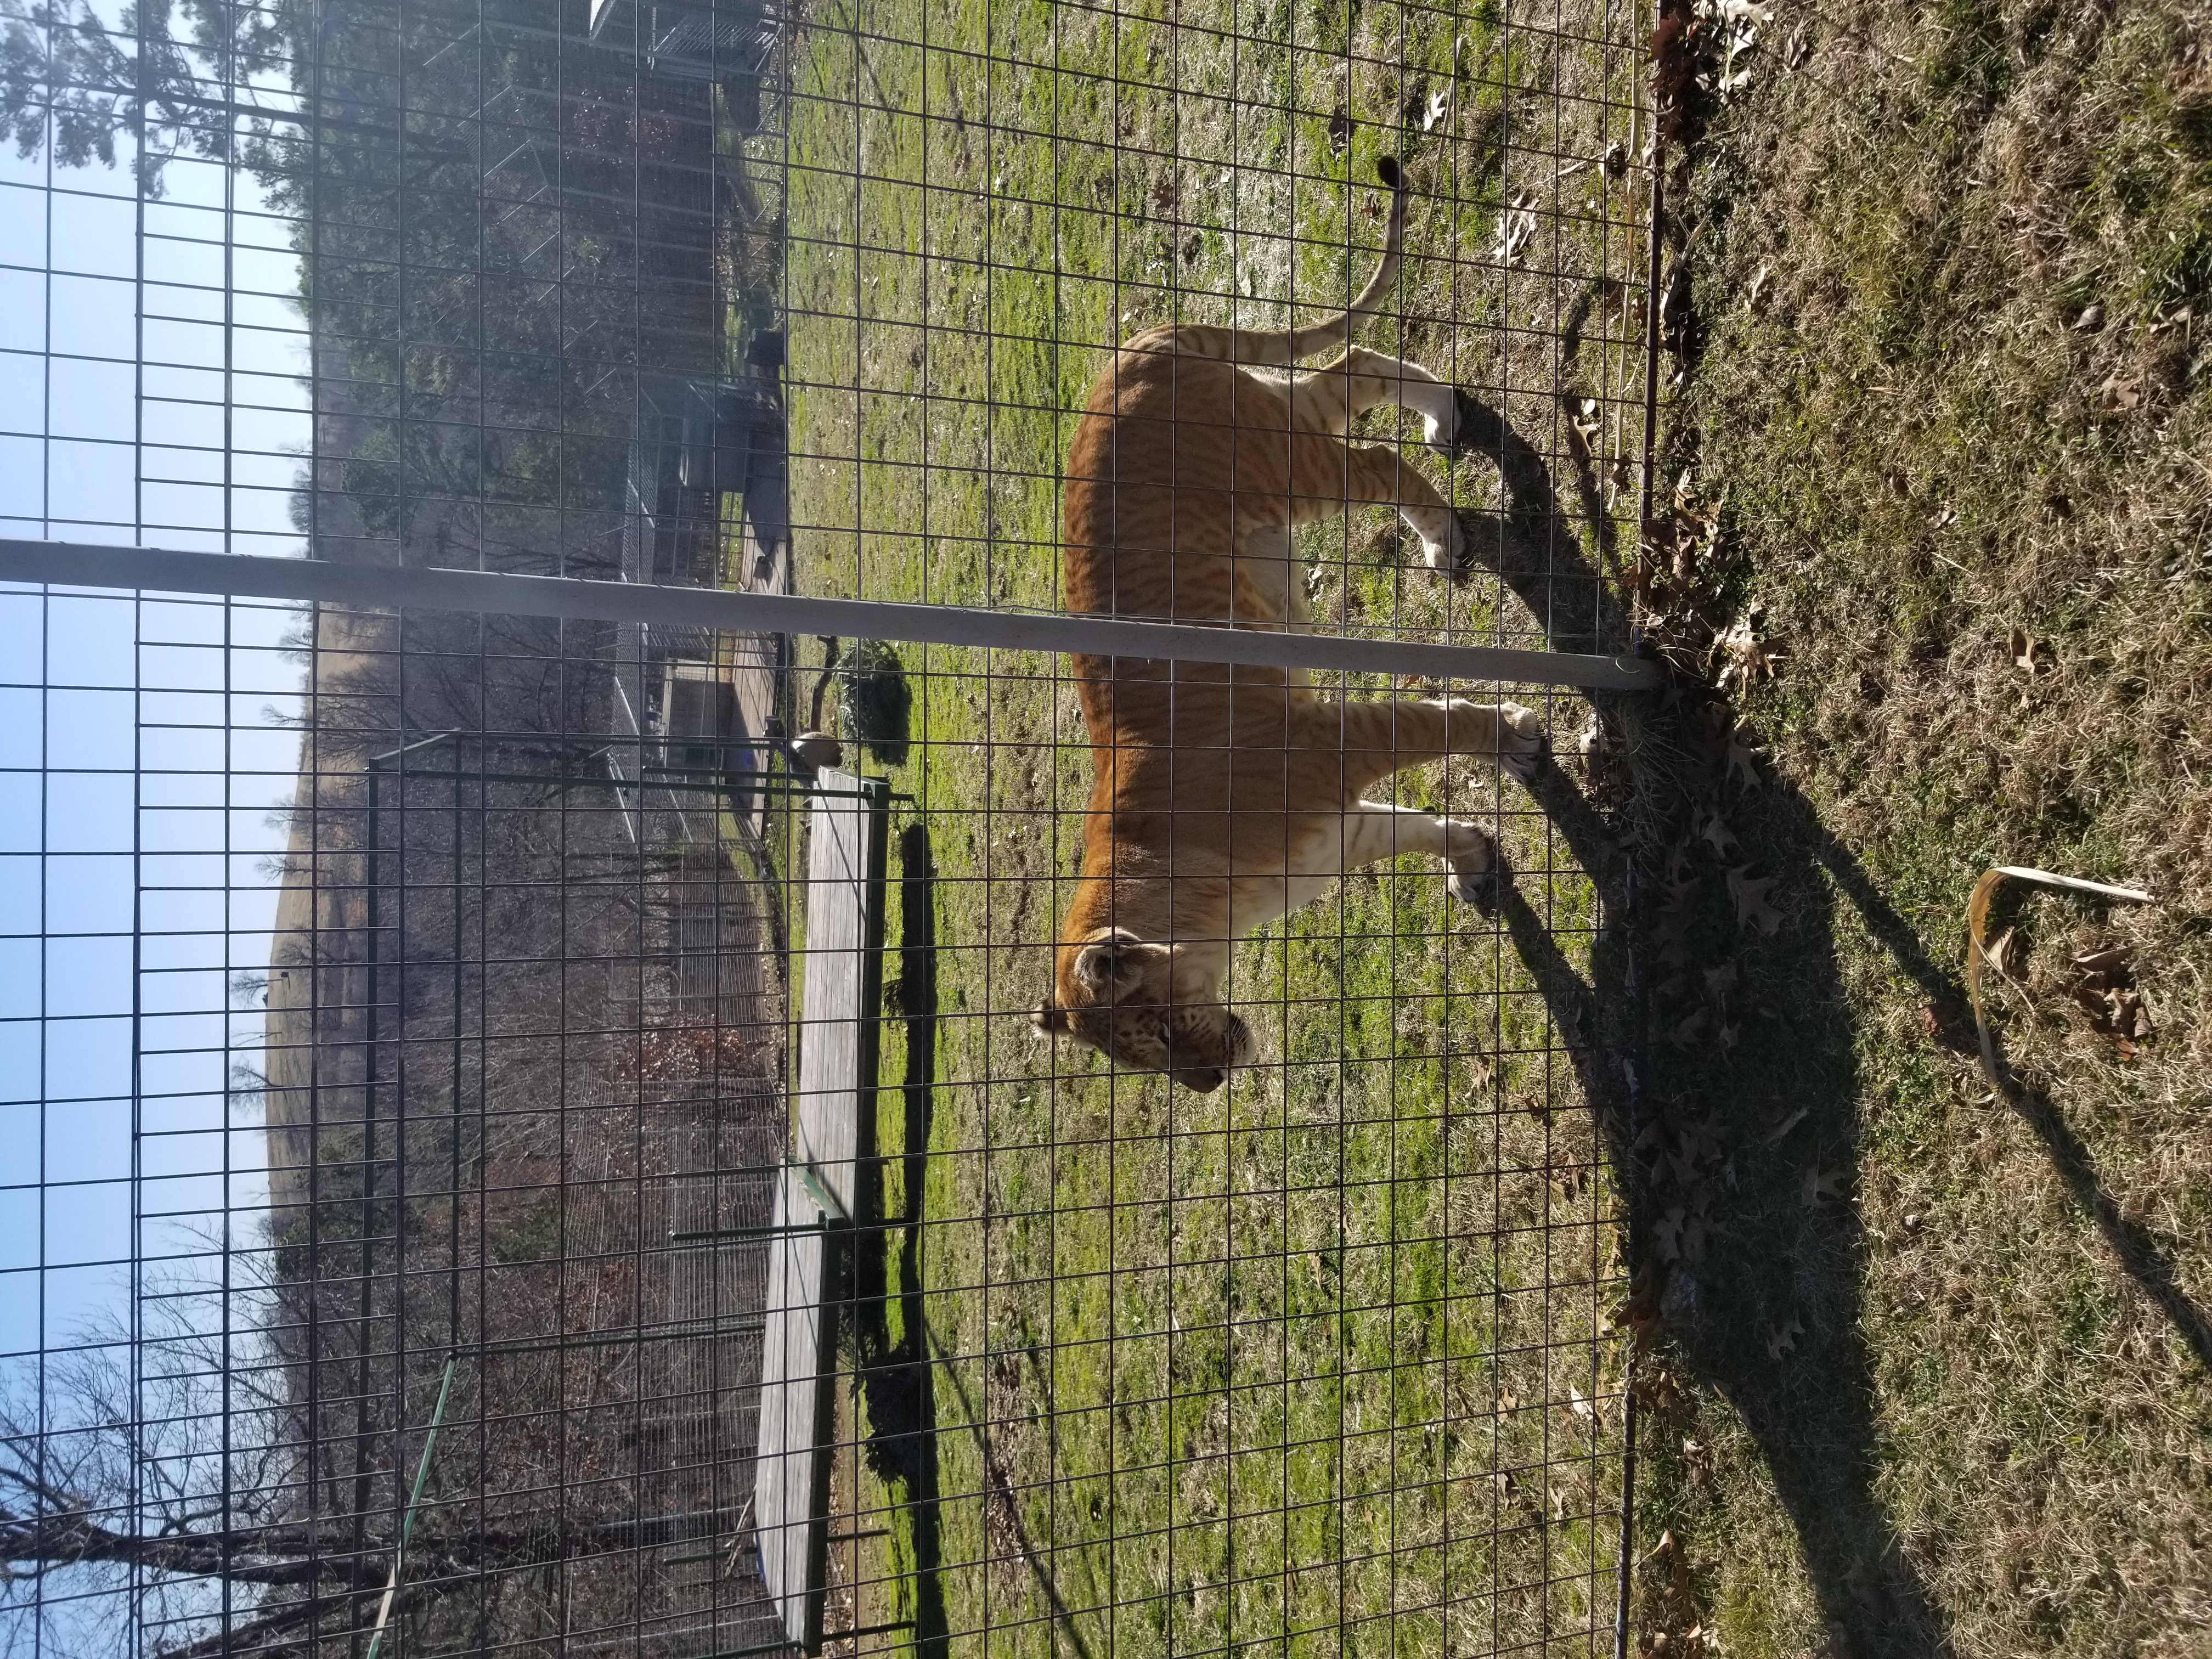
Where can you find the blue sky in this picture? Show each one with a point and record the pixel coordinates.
(150, 357)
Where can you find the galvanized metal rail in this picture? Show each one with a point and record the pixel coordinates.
(253, 576)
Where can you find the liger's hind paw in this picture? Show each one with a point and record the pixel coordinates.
(1521, 745)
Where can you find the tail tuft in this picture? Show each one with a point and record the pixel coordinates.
(1385, 169)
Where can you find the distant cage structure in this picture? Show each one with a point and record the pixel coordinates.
(534, 1155)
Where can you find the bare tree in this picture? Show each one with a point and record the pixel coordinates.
(159, 1509)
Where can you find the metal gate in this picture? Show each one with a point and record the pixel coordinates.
(453, 453)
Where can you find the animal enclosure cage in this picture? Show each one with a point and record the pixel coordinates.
(507, 1151)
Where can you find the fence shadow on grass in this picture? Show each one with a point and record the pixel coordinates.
(898, 1376)
(1758, 1261)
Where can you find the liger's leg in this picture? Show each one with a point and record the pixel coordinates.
(1374, 831)
(1374, 472)
(1378, 738)
(1332, 396)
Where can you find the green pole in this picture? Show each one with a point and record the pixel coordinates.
(414, 1501)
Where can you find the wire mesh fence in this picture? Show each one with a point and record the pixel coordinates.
(529, 1129)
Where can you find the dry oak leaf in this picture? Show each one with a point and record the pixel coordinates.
(1515, 227)
(1783, 1339)
(1786, 1125)
(1745, 656)
(1821, 1183)
(1715, 830)
(2006, 954)
(1740, 752)
(1752, 905)
(2029, 654)
(2104, 967)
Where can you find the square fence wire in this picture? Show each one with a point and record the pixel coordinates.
(527, 1129)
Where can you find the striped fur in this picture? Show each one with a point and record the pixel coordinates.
(1223, 798)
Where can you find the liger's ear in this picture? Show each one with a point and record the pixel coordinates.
(1101, 964)
(1049, 1018)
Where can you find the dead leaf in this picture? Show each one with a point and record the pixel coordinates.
(1896, 479)
(1945, 518)
(2029, 654)
(1666, 1233)
(1739, 761)
(1783, 1339)
(1786, 1125)
(1737, 22)
(2006, 953)
(1799, 51)
(2118, 395)
(1760, 279)
(2104, 986)
(1697, 1458)
(2109, 966)
(1438, 110)
(1821, 1183)
(1720, 981)
(1688, 1030)
(1747, 658)
(1340, 131)
(1638, 1311)
(2091, 319)
(1515, 225)
(1715, 831)
(1752, 905)
(1978, 916)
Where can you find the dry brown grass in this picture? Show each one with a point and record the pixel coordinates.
(1967, 421)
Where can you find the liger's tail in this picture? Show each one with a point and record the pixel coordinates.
(1289, 345)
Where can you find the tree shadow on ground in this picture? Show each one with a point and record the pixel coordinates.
(1750, 1069)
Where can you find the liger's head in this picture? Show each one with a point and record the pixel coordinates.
(1124, 997)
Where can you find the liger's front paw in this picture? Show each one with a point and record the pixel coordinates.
(1476, 869)
(1446, 552)
(1475, 428)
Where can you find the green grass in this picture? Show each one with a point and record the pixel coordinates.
(1279, 1364)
